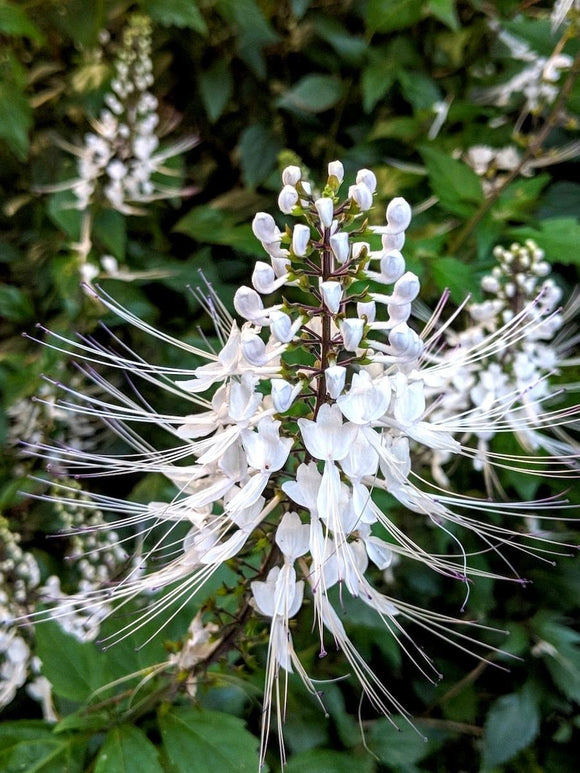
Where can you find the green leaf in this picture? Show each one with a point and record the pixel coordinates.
(30, 747)
(15, 305)
(14, 21)
(559, 237)
(401, 745)
(64, 215)
(454, 183)
(212, 226)
(75, 669)
(313, 94)
(176, 13)
(350, 48)
(216, 741)
(512, 723)
(326, 761)
(110, 227)
(254, 31)
(216, 86)
(15, 120)
(377, 78)
(419, 89)
(258, 154)
(560, 647)
(127, 750)
(453, 275)
(388, 15)
(444, 10)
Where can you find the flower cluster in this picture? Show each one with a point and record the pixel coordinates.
(537, 84)
(523, 303)
(120, 157)
(284, 436)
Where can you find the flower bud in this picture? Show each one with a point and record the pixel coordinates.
(325, 209)
(406, 288)
(392, 266)
(249, 305)
(368, 310)
(398, 215)
(361, 195)
(393, 241)
(398, 312)
(254, 349)
(264, 278)
(332, 295)
(340, 246)
(300, 239)
(351, 330)
(336, 169)
(282, 326)
(291, 175)
(335, 377)
(287, 199)
(366, 177)
(283, 393)
(490, 284)
(358, 248)
(265, 228)
(405, 342)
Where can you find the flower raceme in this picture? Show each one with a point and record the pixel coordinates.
(312, 406)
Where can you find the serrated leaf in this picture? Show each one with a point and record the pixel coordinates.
(127, 750)
(559, 237)
(176, 13)
(389, 15)
(216, 86)
(14, 21)
(15, 120)
(512, 723)
(455, 184)
(74, 668)
(313, 94)
(29, 746)
(216, 741)
(258, 154)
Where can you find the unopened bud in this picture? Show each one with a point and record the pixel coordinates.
(325, 209)
(336, 169)
(405, 342)
(361, 195)
(282, 326)
(398, 215)
(392, 266)
(367, 309)
(406, 288)
(249, 305)
(332, 295)
(265, 228)
(291, 175)
(366, 177)
(254, 349)
(283, 393)
(287, 199)
(335, 377)
(393, 241)
(351, 330)
(300, 239)
(340, 246)
(264, 279)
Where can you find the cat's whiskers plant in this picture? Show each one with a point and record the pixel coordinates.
(314, 406)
